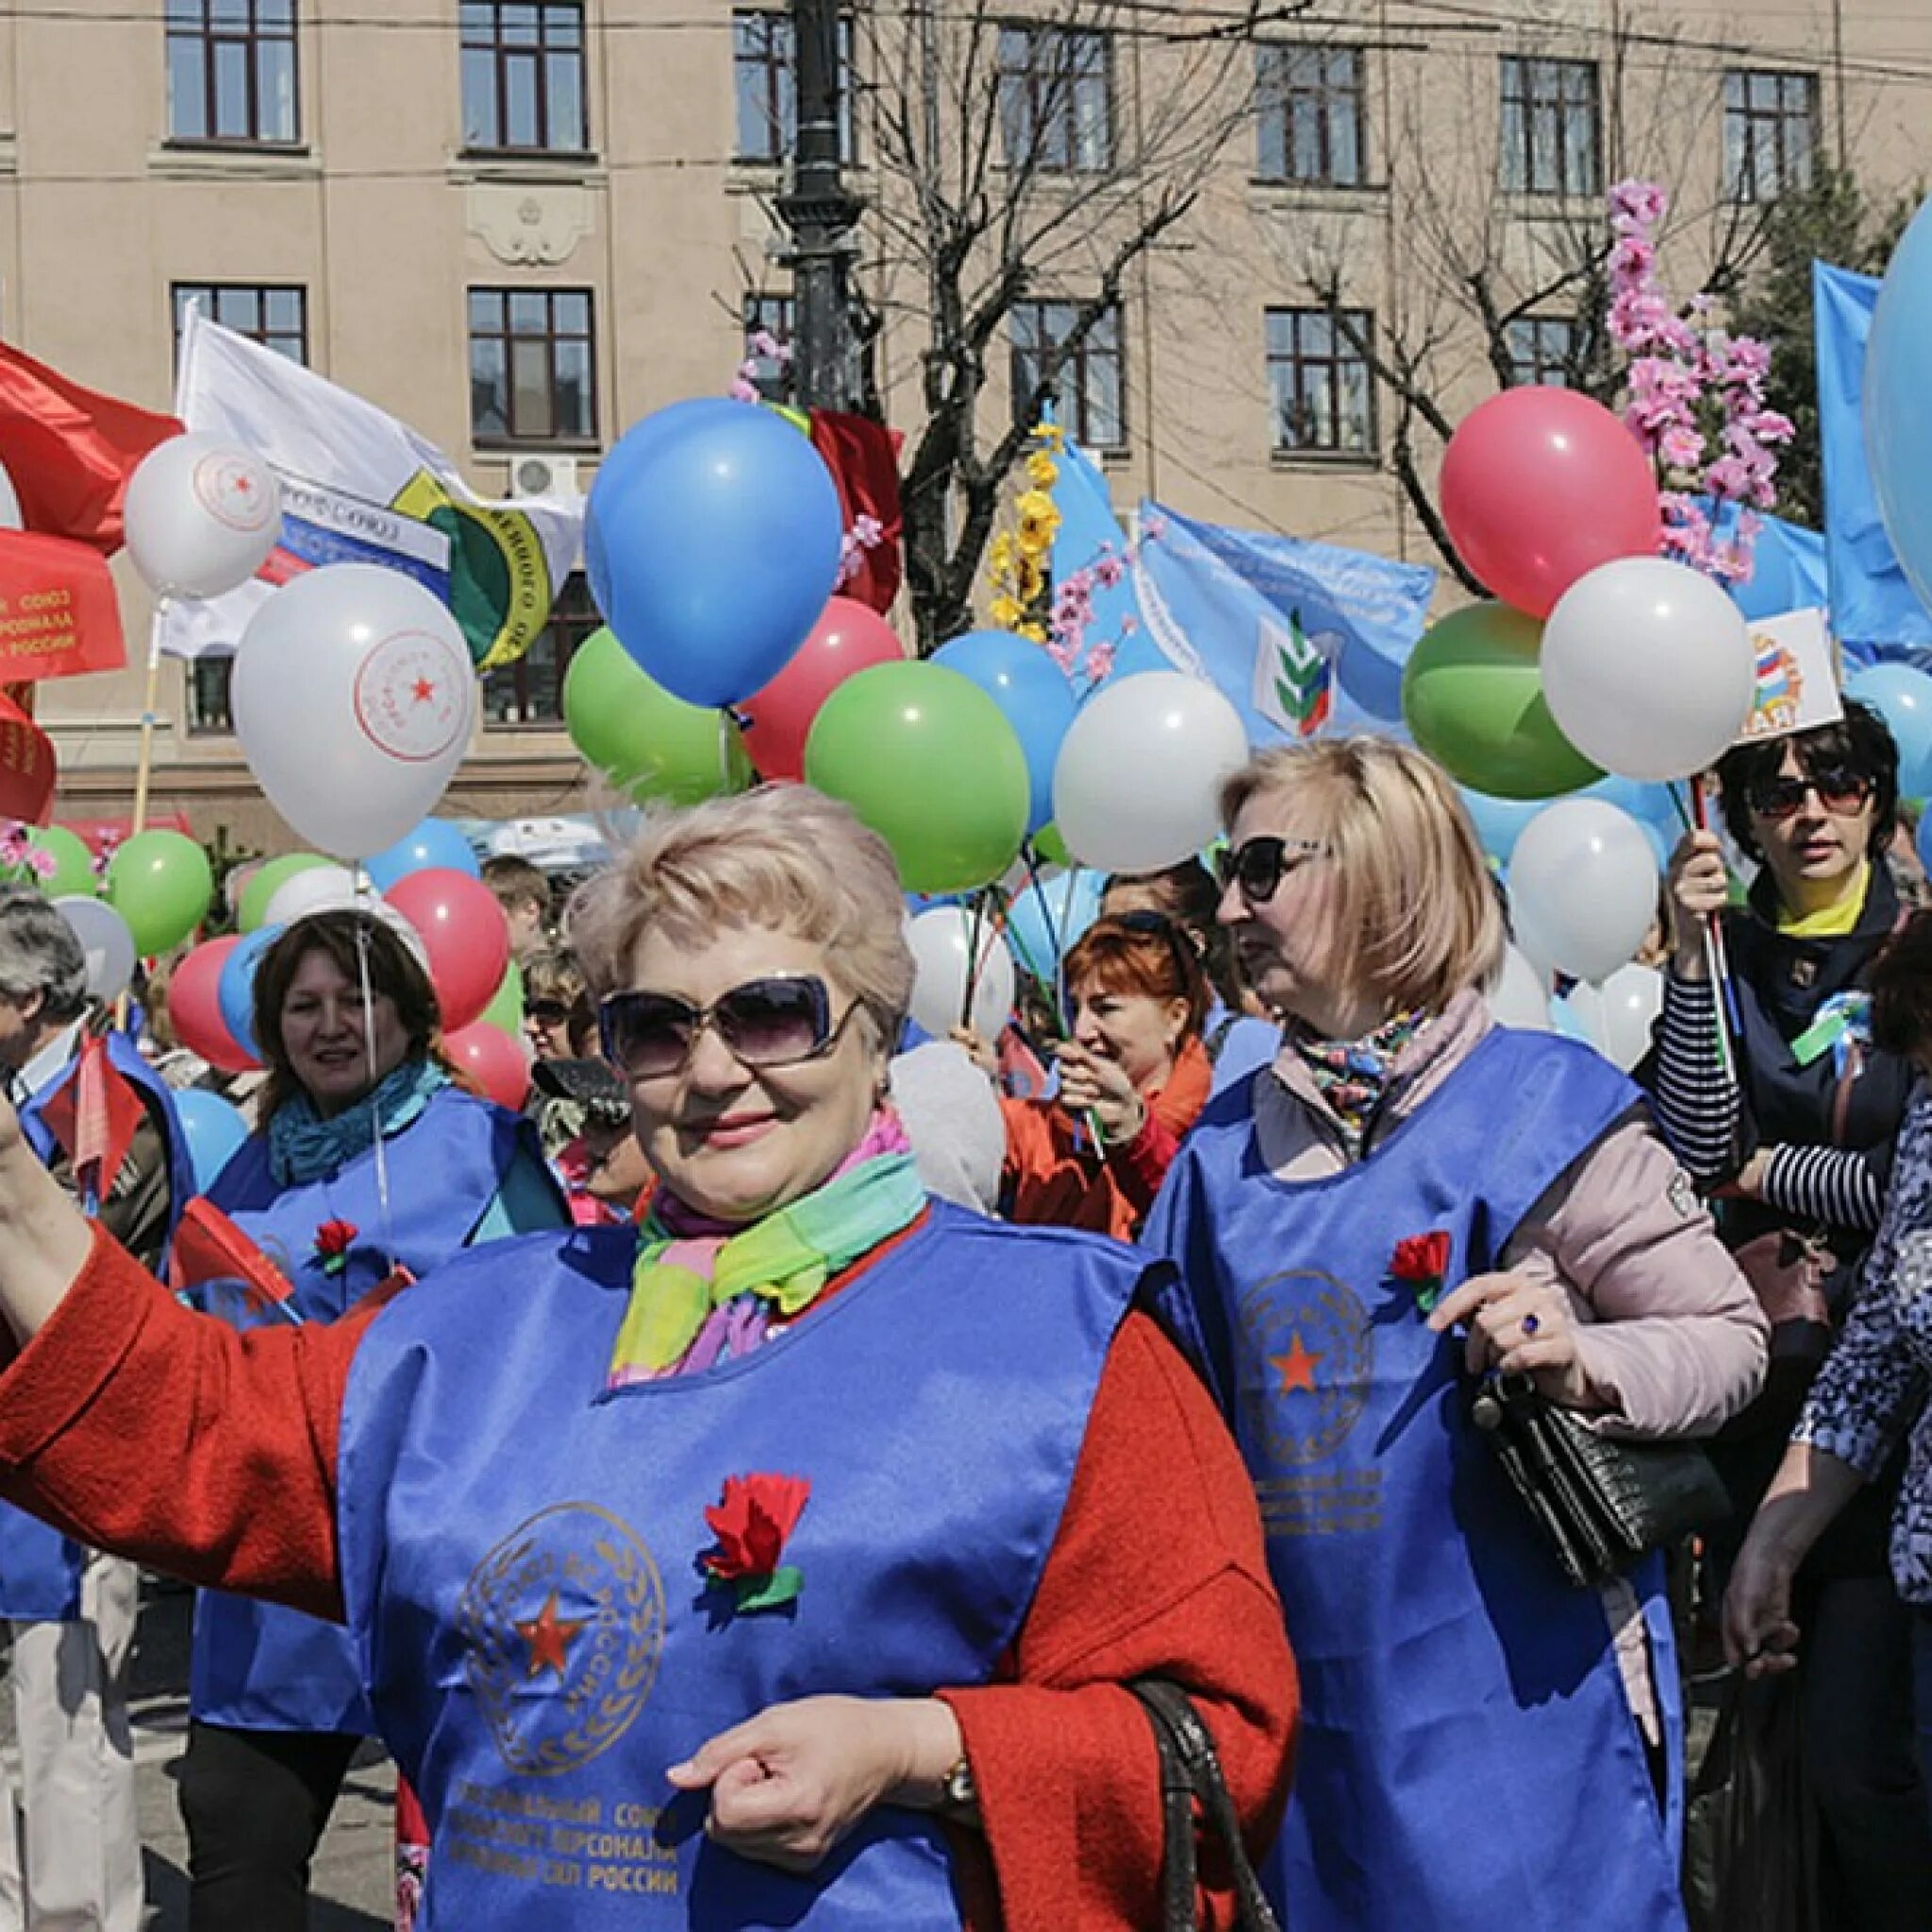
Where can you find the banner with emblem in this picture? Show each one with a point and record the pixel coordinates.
(360, 486)
(1797, 681)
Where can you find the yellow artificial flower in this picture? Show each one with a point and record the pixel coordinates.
(1042, 470)
(1034, 505)
(1030, 580)
(1033, 633)
(1049, 433)
(1007, 612)
(999, 556)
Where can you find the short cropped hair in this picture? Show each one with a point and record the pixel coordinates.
(40, 952)
(1145, 953)
(784, 856)
(517, 882)
(1414, 918)
(1860, 742)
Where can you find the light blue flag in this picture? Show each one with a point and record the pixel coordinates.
(1789, 570)
(1871, 603)
(1089, 533)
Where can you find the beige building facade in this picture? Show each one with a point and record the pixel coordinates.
(521, 224)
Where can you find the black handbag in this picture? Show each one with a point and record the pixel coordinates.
(1600, 1503)
(1191, 1776)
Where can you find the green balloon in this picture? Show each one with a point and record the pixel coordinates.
(265, 881)
(1049, 848)
(1473, 697)
(160, 883)
(505, 1008)
(648, 743)
(927, 759)
(73, 863)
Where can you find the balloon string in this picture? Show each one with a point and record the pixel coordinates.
(382, 1194)
(1716, 958)
(1059, 973)
(972, 955)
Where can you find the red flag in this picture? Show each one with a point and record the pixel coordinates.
(26, 766)
(94, 1116)
(71, 450)
(209, 1247)
(863, 457)
(59, 614)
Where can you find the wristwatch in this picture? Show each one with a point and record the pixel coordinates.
(956, 1789)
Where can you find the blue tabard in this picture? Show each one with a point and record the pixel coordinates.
(1468, 1757)
(261, 1666)
(520, 1555)
(39, 1568)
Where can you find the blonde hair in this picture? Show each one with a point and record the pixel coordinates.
(784, 856)
(1414, 913)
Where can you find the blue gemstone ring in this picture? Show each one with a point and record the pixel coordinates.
(1530, 1324)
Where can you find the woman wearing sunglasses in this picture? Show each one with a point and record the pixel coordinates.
(369, 1157)
(1410, 1197)
(1798, 1144)
(781, 1562)
(1133, 1076)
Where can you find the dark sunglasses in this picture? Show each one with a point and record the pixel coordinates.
(1838, 790)
(1259, 865)
(777, 1022)
(1159, 926)
(546, 1012)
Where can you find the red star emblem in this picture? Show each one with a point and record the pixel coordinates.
(243, 487)
(1296, 1368)
(549, 1636)
(424, 690)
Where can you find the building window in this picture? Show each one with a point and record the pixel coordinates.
(1318, 380)
(1055, 99)
(530, 690)
(1309, 109)
(1550, 126)
(532, 366)
(209, 711)
(1088, 388)
(274, 316)
(765, 79)
(768, 325)
(231, 71)
(1771, 133)
(1542, 349)
(523, 76)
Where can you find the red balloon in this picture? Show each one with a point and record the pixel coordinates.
(1540, 486)
(848, 636)
(194, 1006)
(465, 935)
(491, 1062)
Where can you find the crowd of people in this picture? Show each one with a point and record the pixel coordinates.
(756, 1484)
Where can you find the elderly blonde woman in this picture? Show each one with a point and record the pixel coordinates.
(1411, 1195)
(781, 1562)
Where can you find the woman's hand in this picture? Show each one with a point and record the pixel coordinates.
(1758, 1631)
(1519, 1326)
(1091, 1084)
(980, 1050)
(788, 1784)
(1699, 888)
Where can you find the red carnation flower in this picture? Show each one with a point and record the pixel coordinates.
(332, 1241)
(751, 1522)
(1421, 1261)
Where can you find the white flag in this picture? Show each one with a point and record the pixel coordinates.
(360, 487)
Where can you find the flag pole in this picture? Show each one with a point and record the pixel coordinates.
(143, 770)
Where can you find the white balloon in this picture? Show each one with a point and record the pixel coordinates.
(1137, 785)
(11, 518)
(321, 889)
(1583, 883)
(201, 516)
(105, 941)
(1648, 668)
(941, 943)
(353, 700)
(1631, 998)
(1519, 995)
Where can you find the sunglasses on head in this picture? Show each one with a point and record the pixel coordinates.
(774, 1022)
(1257, 866)
(1159, 926)
(1838, 790)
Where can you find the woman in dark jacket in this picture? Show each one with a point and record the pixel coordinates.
(1792, 1131)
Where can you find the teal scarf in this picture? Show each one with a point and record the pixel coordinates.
(303, 1147)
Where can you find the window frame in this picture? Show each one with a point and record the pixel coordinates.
(777, 61)
(775, 311)
(574, 617)
(256, 39)
(180, 293)
(1533, 370)
(505, 57)
(199, 701)
(1741, 158)
(1276, 94)
(511, 437)
(1298, 361)
(1042, 110)
(1073, 400)
(1521, 153)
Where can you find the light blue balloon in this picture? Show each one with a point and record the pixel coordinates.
(235, 991)
(1898, 402)
(1903, 697)
(1652, 806)
(1044, 919)
(435, 845)
(714, 539)
(1033, 695)
(212, 1129)
(1499, 821)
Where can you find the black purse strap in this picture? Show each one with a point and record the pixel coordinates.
(1191, 1775)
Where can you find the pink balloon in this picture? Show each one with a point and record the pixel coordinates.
(848, 636)
(465, 935)
(491, 1062)
(1540, 486)
(194, 1006)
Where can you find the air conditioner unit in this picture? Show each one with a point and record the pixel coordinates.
(551, 477)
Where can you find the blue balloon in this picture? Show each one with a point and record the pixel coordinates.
(1898, 402)
(435, 845)
(1903, 697)
(1652, 806)
(1033, 695)
(1045, 919)
(1499, 821)
(211, 1128)
(714, 538)
(235, 991)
